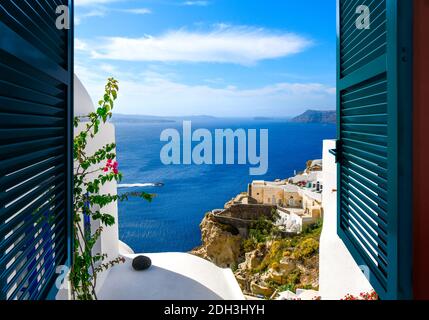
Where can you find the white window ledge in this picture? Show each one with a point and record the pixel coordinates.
(173, 276)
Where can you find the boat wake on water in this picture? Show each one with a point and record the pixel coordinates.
(140, 185)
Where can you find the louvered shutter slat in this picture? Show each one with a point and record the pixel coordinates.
(36, 132)
(373, 97)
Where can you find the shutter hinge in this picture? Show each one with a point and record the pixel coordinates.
(337, 151)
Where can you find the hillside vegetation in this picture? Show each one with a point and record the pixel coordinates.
(264, 263)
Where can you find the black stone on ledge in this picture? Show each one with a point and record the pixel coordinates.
(141, 263)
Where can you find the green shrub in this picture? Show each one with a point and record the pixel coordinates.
(293, 280)
(306, 248)
(287, 287)
(274, 255)
(250, 244)
(294, 277)
(262, 229)
(275, 215)
(259, 232)
(314, 229)
(294, 242)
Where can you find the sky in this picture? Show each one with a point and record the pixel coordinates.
(235, 58)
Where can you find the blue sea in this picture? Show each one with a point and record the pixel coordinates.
(171, 222)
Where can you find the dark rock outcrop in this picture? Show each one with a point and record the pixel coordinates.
(315, 116)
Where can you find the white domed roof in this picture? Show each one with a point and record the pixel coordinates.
(83, 103)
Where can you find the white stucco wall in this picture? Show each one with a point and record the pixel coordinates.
(339, 274)
(83, 104)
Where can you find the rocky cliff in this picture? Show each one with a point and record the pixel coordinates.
(221, 243)
(263, 262)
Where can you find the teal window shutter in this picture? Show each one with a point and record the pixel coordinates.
(36, 132)
(374, 144)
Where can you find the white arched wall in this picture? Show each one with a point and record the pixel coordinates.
(83, 103)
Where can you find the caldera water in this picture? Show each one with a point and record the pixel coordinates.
(185, 193)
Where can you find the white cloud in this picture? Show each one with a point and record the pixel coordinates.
(196, 3)
(108, 68)
(223, 44)
(83, 3)
(94, 10)
(152, 93)
(98, 12)
(80, 45)
(137, 11)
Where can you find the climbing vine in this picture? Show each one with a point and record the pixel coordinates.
(91, 172)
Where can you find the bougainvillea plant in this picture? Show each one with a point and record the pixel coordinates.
(363, 296)
(91, 172)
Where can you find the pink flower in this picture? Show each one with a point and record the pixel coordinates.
(110, 165)
(362, 296)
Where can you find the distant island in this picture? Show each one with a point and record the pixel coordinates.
(310, 116)
(125, 118)
(316, 116)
